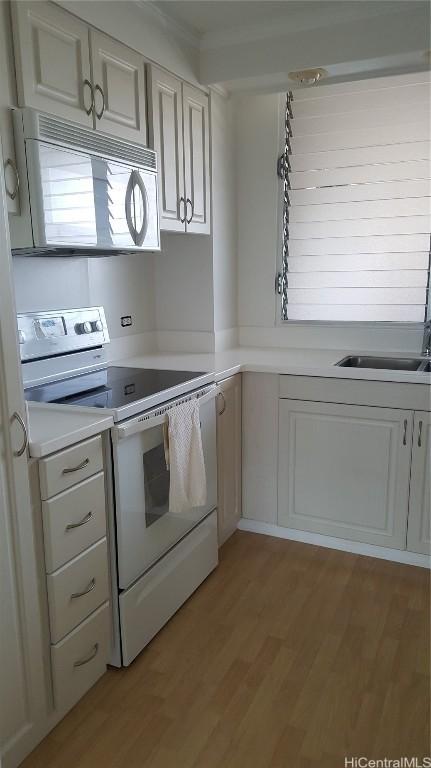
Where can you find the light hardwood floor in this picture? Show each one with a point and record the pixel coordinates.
(288, 656)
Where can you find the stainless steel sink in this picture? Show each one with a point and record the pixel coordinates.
(385, 363)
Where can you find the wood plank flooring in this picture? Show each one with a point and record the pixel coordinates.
(288, 656)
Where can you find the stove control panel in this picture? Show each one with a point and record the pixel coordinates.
(49, 334)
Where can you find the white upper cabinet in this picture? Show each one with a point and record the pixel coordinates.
(418, 532)
(67, 69)
(196, 160)
(179, 132)
(166, 137)
(8, 100)
(119, 88)
(52, 61)
(344, 470)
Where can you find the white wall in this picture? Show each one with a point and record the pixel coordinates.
(124, 285)
(224, 230)
(258, 125)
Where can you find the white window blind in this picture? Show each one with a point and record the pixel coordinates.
(357, 201)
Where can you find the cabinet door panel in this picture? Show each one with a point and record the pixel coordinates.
(344, 470)
(8, 100)
(196, 159)
(418, 532)
(120, 73)
(166, 137)
(52, 60)
(229, 456)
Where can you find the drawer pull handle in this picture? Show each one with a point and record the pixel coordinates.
(420, 434)
(93, 653)
(88, 589)
(405, 432)
(84, 520)
(83, 464)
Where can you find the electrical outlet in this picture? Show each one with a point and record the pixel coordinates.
(126, 320)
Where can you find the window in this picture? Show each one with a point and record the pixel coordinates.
(356, 221)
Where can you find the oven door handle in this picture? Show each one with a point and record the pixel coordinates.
(122, 431)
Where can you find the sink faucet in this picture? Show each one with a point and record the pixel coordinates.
(426, 343)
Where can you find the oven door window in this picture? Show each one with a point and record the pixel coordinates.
(145, 527)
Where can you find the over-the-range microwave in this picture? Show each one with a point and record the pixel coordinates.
(82, 193)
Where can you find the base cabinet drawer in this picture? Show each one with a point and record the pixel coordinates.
(66, 468)
(73, 520)
(77, 589)
(80, 659)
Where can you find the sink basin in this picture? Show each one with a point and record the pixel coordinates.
(385, 363)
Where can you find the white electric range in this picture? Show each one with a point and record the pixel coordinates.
(157, 558)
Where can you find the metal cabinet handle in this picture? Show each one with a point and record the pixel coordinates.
(69, 470)
(182, 202)
(99, 115)
(11, 164)
(84, 520)
(192, 208)
(90, 86)
(93, 653)
(420, 434)
(405, 432)
(17, 417)
(85, 591)
(221, 395)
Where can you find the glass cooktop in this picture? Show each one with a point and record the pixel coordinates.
(112, 387)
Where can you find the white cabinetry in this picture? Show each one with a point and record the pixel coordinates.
(229, 456)
(418, 532)
(344, 470)
(71, 498)
(179, 132)
(67, 69)
(8, 100)
(119, 88)
(52, 55)
(196, 160)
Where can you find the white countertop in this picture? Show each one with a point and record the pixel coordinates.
(299, 362)
(54, 427)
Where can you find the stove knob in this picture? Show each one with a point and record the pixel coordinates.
(83, 327)
(97, 325)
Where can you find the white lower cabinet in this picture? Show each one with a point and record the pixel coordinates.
(344, 470)
(229, 456)
(418, 532)
(80, 659)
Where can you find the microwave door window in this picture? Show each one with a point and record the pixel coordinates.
(110, 184)
(67, 197)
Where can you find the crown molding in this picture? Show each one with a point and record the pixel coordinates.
(220, 90)
(173, 26)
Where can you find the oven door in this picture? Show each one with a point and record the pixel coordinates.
(145, 527)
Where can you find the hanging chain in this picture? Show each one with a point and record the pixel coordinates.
(284, 169)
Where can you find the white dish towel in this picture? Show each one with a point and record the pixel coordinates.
(188, 486)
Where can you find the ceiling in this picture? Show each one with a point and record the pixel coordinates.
(209, 18)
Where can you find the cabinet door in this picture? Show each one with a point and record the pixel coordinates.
(418, 532)
(229, 456)
(8, 100)
(52, 58)
(23, 690)
(344, 470)
(119, 88)
(196, 160)
(166, 137)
